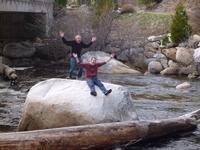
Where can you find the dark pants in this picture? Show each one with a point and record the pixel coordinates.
(95, 81)
(74, 67)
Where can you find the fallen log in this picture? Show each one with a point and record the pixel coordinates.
(97, 136)
(8, 72)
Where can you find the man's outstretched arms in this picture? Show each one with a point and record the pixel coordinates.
(62, 35)
(89, 44)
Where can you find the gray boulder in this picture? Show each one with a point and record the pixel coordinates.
(155, 67)
(114, 66)
(51, 50)
(19, 50)
(196, 55)
(184, 55)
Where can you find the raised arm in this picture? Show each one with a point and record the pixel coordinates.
(89, 44)
(103, 63)
(78, 61)
(62, 35)
(111, 57)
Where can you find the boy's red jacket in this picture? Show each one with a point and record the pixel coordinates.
(91, 70)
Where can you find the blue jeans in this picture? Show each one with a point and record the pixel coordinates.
(95, 81)
(74, 67)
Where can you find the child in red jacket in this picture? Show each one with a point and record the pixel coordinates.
(91, 74)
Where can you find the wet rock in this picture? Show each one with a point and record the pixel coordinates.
(196, 55)
(193, 75)
(184, 55)
(152, 47)
(169, 71)
(173, 64)
(170, 53)
(155, 67)
(19, 50)
(159, 56)
(188, 70)
(196, 38)
(114, 66)
(51, 50)
(184, 85)
(164, 63)
(61, 103)
(22, 62)
(133, 56)
(155, 38)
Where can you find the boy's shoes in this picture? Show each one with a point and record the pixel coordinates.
(93, 93)
(108, 92)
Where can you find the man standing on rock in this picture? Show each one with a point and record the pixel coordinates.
(77, 46)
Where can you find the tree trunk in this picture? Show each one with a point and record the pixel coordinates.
(98, 135)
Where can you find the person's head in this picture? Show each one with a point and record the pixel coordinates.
(93, 60)
(78, 39)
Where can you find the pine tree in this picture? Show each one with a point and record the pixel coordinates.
(180, 29)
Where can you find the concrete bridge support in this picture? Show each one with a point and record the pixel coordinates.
(27, 7)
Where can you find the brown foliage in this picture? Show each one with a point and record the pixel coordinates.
(127, 8)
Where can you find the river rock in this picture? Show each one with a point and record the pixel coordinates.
(173, 64)
(188, 70)
(196, 38)
(184, 55)
(169, 71)
(18, 62)
(159, 56)
(61, 103)
(164, 63)
(170, 53)
(51, 50)
(155, 38)
(184, 85)
(196, 55)
(155, 67)
(19, 50)
(113, 67)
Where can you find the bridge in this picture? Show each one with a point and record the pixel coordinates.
(15, 14)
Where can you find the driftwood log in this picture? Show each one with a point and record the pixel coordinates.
(97, 136)
(8, 72)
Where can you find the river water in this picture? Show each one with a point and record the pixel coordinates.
(155, 98)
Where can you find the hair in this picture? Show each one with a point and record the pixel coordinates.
(93, 58)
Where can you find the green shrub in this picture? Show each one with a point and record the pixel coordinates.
(61, 2)
(180, 29)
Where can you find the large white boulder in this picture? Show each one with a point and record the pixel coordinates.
(113, 67)
(60, 103)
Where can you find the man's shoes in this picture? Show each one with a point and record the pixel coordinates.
(93, 93)
(108, 92)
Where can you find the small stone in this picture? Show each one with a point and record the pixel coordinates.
(155, 67)
(184, 85)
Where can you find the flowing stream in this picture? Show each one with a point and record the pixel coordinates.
(155, 98)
